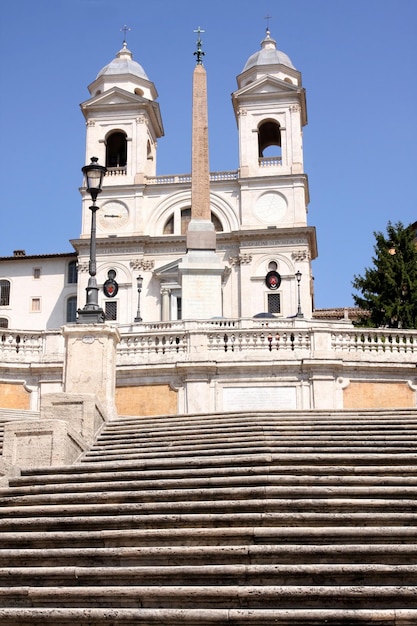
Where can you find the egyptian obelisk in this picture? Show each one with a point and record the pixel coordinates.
(200, 270)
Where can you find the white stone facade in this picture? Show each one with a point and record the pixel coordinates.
(224, 357)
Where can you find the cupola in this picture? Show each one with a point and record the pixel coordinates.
(125, 73)
(268, 61)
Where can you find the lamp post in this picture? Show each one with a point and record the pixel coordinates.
(139, 283)
(298, 277)
(92, 313)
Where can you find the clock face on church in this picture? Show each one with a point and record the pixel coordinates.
(112, 216)
(270, 207)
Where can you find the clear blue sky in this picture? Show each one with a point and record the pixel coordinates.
(358, 59)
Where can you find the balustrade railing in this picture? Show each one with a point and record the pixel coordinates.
(186, 178)
(139, 348)
(259, 341)
(375, 340)
(235, 339)
(117, 171)
(21, 345)
(270, 161)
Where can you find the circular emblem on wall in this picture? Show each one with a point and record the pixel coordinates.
(273, 280)
(110, 286)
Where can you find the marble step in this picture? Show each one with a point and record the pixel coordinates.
(68, 519)
(65, 489)
(225, 497)
(408, 441)
(353, 457)
(262, 500)
(221, 596)
(206, 617)
(84, 475)
(212, 575)
(173, 533)
(187, 555)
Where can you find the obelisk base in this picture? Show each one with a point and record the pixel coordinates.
(200, 272)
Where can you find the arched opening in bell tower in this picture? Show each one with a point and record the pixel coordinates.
(269, 139)
(116, 149)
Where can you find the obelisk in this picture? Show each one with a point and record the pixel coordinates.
(200, 270)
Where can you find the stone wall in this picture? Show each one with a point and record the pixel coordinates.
(146, 400)
(378, 395)
(14, 396)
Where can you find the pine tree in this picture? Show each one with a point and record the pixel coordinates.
(389, 289)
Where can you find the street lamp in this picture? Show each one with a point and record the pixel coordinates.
(92, 313)
(139, 283)
(298, 277)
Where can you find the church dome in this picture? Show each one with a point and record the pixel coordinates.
(268, 55)
(123, 63)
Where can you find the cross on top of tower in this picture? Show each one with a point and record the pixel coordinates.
(199, 53)
(125, 30)
(267, 18)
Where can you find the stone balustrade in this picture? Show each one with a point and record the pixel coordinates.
(270, 161)
(30, 346)
(186, 178)
(226, 338)
(239, 339)
(117, 171)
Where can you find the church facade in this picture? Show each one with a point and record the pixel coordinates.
(229, 327)
(259, 212)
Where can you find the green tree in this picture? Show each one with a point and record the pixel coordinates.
(389, 289)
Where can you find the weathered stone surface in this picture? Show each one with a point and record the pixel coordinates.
(287, 518)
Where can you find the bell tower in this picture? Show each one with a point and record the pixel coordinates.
(123, 123)
(270, 110)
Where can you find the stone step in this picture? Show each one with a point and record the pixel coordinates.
(170, 536)
(171, 453)
(187, 555)
(348, 462)
(207, 617)
(223, 596)
(310, 417)
(238, 496)
(119, 473)
(290, 441)
(209, 429)
(261, 519)
(64, 489)
(68, 519)
(268, 499)
(209, 575)
(314, 456)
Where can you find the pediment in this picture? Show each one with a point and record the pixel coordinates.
(114, 96)
(267, 84)
(169, 271)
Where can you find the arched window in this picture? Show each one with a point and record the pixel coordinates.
(4, 322)
(72, 275)
(71, 315)
(4, 292)
(178, 223)
(149, 155)
(169, 226)
(185, 220)
(116, 150)
(269, 136)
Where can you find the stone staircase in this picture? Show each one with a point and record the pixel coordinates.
(283, 518)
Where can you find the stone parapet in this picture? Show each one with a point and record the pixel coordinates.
(41, 443)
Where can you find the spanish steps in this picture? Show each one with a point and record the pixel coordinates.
(285, 518)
